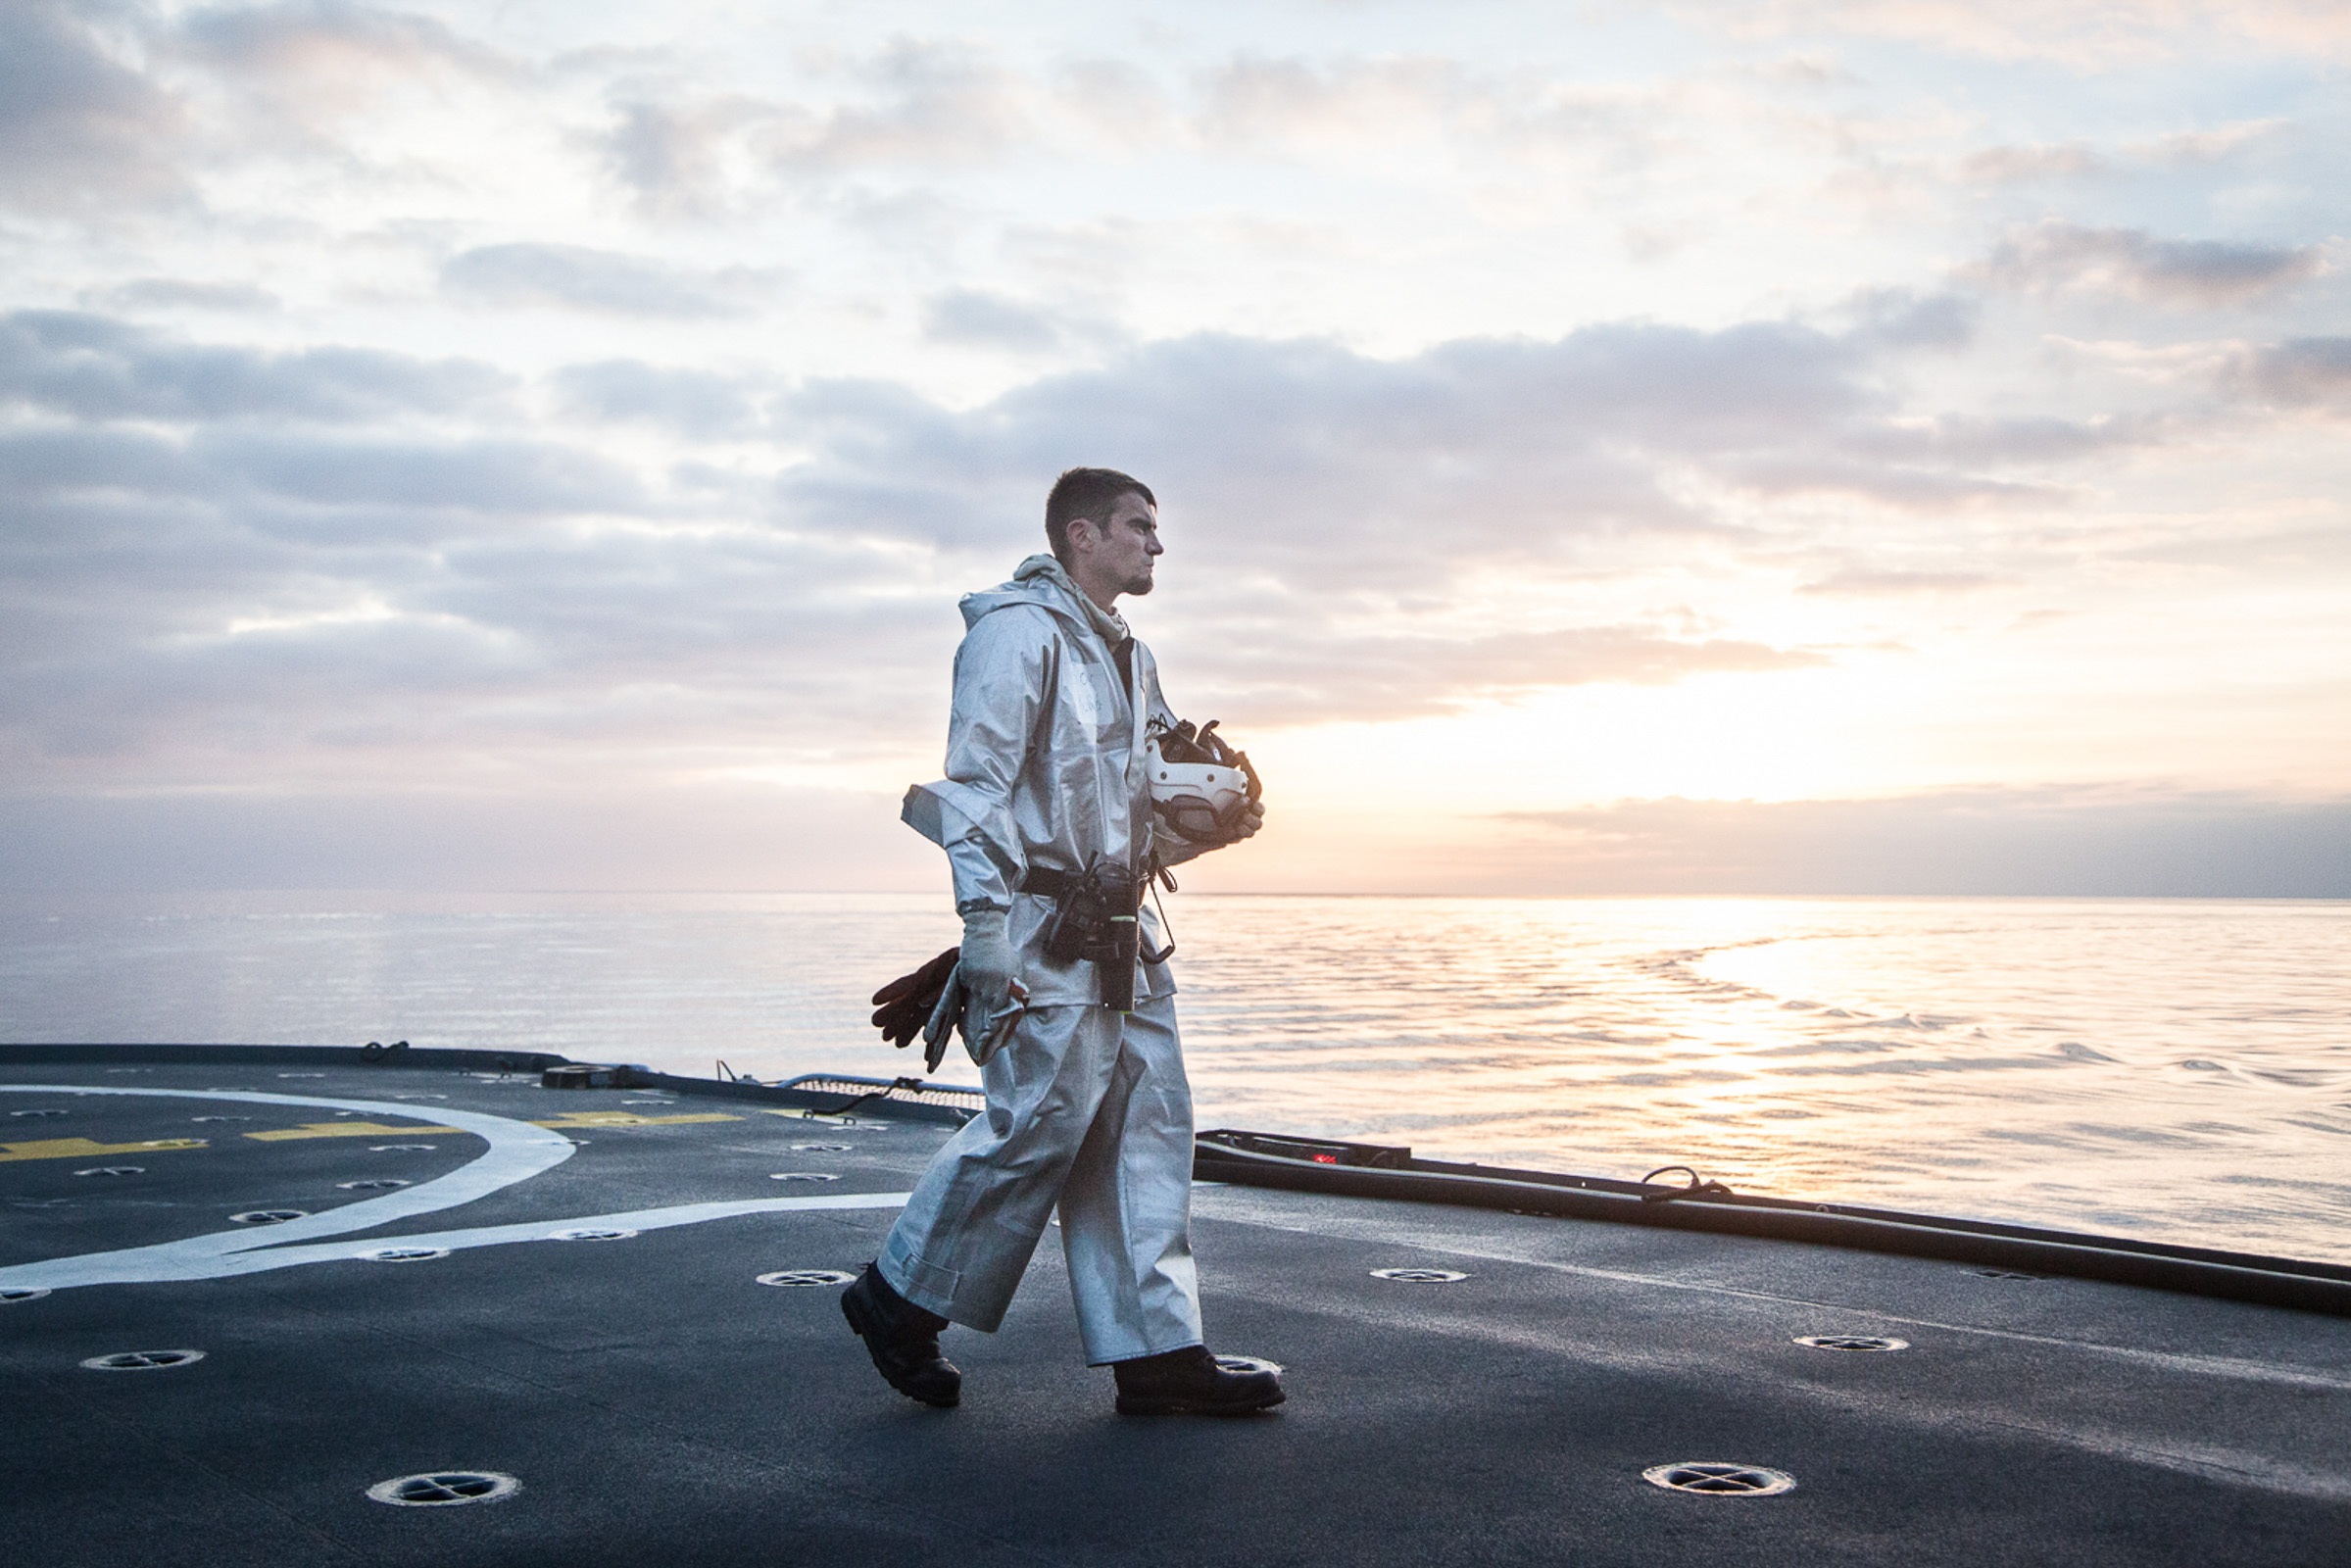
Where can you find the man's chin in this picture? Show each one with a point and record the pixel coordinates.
(1138, 586)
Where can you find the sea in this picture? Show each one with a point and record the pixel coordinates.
(2170, 1069)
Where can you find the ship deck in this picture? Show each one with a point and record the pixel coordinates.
(656, 1402)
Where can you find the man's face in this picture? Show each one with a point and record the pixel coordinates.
(1124, 547)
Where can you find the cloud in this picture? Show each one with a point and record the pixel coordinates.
(941, 103)
(2117, 840)
(185, 294)
(94, 367)
(2090, 35)
(326, 42)
(1258, 101)
(2302, 370)
(79, 130)
(2080, 160)
(2009, 166)
(1266, 675)
(1320, 463)
(2201, 273)
(576, 277)
(974, 318)
(922, 106)
(703, 404)
(1903, 318)
(317, 558)
(679, 157)
(232, 553)
(1859, 584)
(507, 478)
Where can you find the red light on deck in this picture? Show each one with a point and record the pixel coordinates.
(1326, 1160)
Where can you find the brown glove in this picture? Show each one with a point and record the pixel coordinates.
(903, 1007)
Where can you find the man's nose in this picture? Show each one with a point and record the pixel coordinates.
(1151, 545)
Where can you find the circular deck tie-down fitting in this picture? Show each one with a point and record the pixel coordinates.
(141, 1360)
(441, 1488)
(1853, 1341)
(590, 1233)
(113, 1171)
(404, 1255)
(370, 1183)
(802, 1176)
(790, 1278)
(267, 1216)
(1420, 1276)
(22, 1293)
(823, 1149)
(1248, 1363)
(1716, 1479)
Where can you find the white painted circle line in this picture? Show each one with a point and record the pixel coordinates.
(1419, 1276)
(440, 1488)
(1714, 1477)
(142, 1360)
(517, 1152)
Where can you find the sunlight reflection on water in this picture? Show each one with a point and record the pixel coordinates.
(2164, 1068)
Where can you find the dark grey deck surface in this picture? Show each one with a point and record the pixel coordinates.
(660, 1407)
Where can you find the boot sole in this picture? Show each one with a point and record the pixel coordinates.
(1164, 1405)
(862, 1325)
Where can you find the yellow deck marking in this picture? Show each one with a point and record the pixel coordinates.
(344, 1129)
(622, 1118)
(80, 1148)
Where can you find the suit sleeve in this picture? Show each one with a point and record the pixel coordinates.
(1170, 849)
(1001, 674)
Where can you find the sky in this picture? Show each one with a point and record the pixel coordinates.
(1889, 446)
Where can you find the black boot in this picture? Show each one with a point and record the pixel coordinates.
(1188, 1382)
(902, 1339)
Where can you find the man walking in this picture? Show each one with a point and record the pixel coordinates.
(1045, 817)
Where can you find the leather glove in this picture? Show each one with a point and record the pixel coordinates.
(1179, 847)
(901, 1006)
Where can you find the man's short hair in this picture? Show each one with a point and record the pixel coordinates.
(1088, 493)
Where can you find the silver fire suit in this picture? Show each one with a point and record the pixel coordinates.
(1086, 1107)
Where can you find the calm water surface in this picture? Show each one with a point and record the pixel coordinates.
(2161, 1068)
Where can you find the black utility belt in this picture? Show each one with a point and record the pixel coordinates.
(1051, 882)
(1095, 918)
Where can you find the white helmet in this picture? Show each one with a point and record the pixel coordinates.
(1199, 785)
